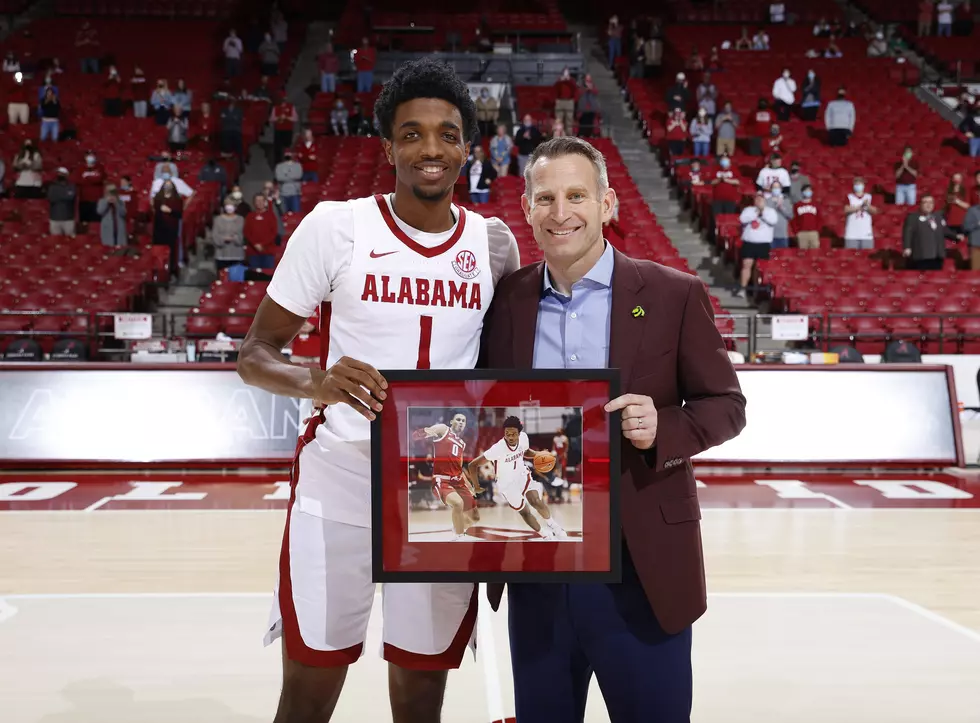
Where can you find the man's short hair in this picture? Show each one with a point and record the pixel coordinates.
(426, 77)
(513, 422)
(568, 146)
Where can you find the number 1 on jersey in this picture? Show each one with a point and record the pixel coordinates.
(425, 341)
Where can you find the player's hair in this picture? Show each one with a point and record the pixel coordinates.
(514, 422)
(568, 146)
(426, 77)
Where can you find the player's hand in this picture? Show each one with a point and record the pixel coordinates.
(350, 382)
(639, 418)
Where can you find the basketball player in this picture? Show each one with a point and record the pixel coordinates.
(402, 280)
(514, 478)
(560, 443)
(449, 482)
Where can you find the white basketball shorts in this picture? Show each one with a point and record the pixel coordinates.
(324, 596)
(516, 492)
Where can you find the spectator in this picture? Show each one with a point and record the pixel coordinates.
(676, 132)
(280, 28)
(329, 65)
(261, 231)
(783, 207)
(924, 237)
(137, 86)
(364, 60)
(761, 126)
(230, 135)
(701, 131)
(714, 60)
(614, 33)
(169, 175)
(271, 191)
(773, 173)
(162, 102)
(182, 96)
(807, 220)
(774, 143)
(289, 176)
(797, 180)
(727, 125)
(777, 13)
(588, 109)
(360, 124)
(944, 19)
(28, 164)
(205, 126)
(744, 42)
(925, 18)
(338, 118)
(91, 186)
(112, 210)
(168, 209)
(956, 202)
(695, 176)
(87, 46)
(566, 93)
(481, 175)
(527, 138)
(832, 50)
(284, 119)
(126, 189)
(726, 189)
(10, 63)
(236, 198)
(758, 222)
(61, 205)
(906, 178)
(50, 113)
(858, 231)
(963, 19)
(269, 56)
(228, 237)
(48, 84)
(487, 112)
(501, 149)
(784, 95)
(707, 96)
(557, 128)
(821, 29)
(970, 127)
(165, 166)
(308, 155)
(178, 129)
(112, 104)
(214, 172)
(695, 62)
(232, 50)
(810, 104)
(638, 56)
(18, 109)
(839, 118)
(760, 41)
(878, 47)
(971, 227)
(677, 95)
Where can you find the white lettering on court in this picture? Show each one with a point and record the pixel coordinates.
(36, 416)
(33, 491)
(150, 491)
(791, 489)
(281, 493)
(902, 489)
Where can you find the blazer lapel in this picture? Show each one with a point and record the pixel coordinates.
(524, 311)
(629, 319)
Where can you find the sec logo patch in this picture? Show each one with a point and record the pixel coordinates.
(465, 265)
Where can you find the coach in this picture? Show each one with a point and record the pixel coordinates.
(589, 306)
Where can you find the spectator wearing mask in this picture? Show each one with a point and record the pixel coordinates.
(566, 93)
(269, 56)
(112, 211)
(232, 50)
(783, 207)
(18, 108)
(204, 127)
(956, 202)
(676, 132)
(329, 65)
(487, 112)
(91, 187)
(906, 178)
(168, 210)
(137, 87)
(88, 47)
(308, 155)
(161, 101)
(797, 180)
(50, 113)
(527, 138)
(481, 176)
(970, 127)
(237, 199)
(213, 172)
(760, 41)
(112, 94)
(924, 237)
(760, 127)
(726, 188)
(807, 222)
(284, 119)
(810, 97)
(758, 223)
(677, 95)
(169, 175)
(714, 60)
(228, 237)
(774, 143)
(126, 189)
(338, 118)
(289, 176)
(858, 227)
(832, 50)
(707, 96)
(364, 60)
(501, 148)
(878, 47)
(178, 129)
(784, 95)
(726, 124)
(588, 109)
(773, 173)
(28, 165)
(261, 231)
(61, 205)
(839, 118)
(744, 41)
(944, 19)
(701, 131)
(166, 166)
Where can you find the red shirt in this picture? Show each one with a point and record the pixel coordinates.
(566, 90)
(365, 59)
(112, 89)
(763, 122)
(91, 182)
(955, 213)
(284, 117)
(678, 132)
(726, 191)
(447, 456)
(17, 94)
(308, 157)
(261, 229)
(806, 217)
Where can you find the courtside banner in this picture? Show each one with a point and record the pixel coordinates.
(135, 415)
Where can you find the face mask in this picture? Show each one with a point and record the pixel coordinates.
(229, 209)
(775, 132)
(811, 75)
(785, 74)
(858, 188)
(695, 170)
(237, 195)
(725, 163)
(777, 191)
(165, 176)
(907, 155)
(808, 193)
(484, 94)
(90, 160)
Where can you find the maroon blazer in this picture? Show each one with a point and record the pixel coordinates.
(674, 354)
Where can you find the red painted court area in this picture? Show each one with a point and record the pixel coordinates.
(238, 490)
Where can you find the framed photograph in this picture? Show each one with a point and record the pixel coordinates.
(495, 476)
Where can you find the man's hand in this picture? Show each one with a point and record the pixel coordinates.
(639, 419)
(350, 382)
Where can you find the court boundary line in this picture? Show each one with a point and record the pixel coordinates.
(282, 510)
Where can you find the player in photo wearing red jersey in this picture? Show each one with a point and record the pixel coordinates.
(448, 481)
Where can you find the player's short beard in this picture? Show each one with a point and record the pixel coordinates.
(424, 195)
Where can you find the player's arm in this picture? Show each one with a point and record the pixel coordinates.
(436, 431)
(471, 473)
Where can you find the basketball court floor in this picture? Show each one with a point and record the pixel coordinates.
(143, 598)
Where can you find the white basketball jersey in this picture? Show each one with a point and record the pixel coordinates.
(511, 470)
(858, 224)
(393, 298)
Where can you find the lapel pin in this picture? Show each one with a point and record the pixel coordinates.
(638, 312)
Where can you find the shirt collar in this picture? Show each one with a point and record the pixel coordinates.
(599, 275)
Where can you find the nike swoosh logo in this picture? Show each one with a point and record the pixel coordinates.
(376, 255)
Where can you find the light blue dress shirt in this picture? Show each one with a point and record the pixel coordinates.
(573, 331)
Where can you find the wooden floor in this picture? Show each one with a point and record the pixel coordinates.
(157, 615)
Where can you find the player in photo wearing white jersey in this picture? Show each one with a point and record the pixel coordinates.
(402, 281)
(514, 478)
